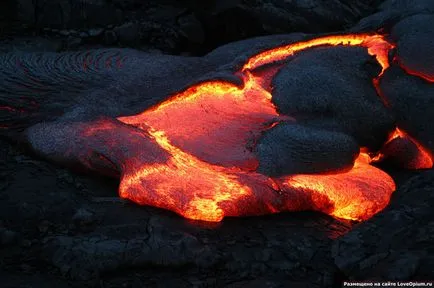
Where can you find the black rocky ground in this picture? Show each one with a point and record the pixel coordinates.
(64, 229)
(397, 244)
(188, 26)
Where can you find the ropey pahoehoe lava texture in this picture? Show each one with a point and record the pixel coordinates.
(289, 127)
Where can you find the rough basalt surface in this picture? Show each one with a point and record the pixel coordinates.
(65, 229)
(411, 99)
(62, 228)
(281, 150)
(396, 244)
(332, 84)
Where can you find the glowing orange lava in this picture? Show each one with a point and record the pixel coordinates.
(209, 130)
(357, 194)
(376, 45)
(213, 117)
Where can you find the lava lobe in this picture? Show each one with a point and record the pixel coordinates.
(209, 132)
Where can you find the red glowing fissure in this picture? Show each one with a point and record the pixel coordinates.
(211, 173)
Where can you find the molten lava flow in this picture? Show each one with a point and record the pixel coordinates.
(201, 191)
(357, 194)
(185, 184)
(424, 159)
(209, 131)
(215, 121)
(376, 45)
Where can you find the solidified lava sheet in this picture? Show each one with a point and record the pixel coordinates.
(297, 130)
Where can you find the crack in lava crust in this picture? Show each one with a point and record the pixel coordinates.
(207, 131)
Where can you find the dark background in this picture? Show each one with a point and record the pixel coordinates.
(175, 27)
(63, 229)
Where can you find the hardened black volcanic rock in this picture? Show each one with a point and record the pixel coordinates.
(71, 230)
(390, 12)
(174, 26)
(412, 100)
(93, 83)
(293, 148)
(335, 84)
(232, 20)
(396, 244)
(414, 37)
(62, 229)
(235, 54)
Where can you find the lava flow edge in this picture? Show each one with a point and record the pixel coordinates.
(206, 186)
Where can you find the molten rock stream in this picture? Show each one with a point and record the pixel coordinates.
(211, 173)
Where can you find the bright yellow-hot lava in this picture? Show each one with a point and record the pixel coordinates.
(210, 173)
(376, 45)
(348, 191)
(170, 180)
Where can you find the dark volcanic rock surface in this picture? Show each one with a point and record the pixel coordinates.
(73, 231)
(293, 148)
(390, 12)
(238, 52)
(175, 26)
(414, 37)
(61, 229)
(334, 84)
(97, 80)
(398, 243)
(232, 20)
(411, 99)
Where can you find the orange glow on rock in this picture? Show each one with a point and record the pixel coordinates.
(208, 131)
(357, 194)
(418, 74)
(421, 159)
(426, 77)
